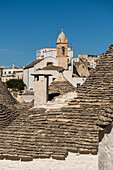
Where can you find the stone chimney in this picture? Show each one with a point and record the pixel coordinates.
(41, 89)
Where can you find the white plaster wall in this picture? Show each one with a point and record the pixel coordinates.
(73, 80)
(7, 76)
(25, 76)
(50, 53)
(7, 71)
(31, 79)
(72, 162)
(54, 74)
(46, 52)
(28, 78)
(44, 62)
(106, 149)
(19, 73)
(70, 53)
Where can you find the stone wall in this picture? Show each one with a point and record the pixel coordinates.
(106, 149)
(72, 162)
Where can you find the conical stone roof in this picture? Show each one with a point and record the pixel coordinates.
(96, 94)
(7, 110)
(43, 134)
(5, 96)
(61, 85)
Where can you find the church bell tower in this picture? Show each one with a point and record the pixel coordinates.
(62, 50)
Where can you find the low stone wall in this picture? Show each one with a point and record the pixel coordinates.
(73, 162)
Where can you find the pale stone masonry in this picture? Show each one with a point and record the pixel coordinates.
(61, 85)
(5, 96)
(41, 89)
(74, 161)
(62, 51)
(37, 133)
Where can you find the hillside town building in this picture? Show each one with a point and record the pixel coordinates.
(77, 135)
(84, 64)
(1, 71)
(12, 73)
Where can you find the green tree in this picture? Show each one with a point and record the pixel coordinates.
(15, 84)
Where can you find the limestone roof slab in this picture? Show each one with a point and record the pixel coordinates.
(37, 133)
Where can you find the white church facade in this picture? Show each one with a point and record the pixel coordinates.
(62, 56)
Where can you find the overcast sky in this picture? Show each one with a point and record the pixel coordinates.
(28, 25)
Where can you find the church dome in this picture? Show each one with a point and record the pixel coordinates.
(62, 38)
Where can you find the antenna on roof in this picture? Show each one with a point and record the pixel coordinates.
(13, 66)
(49, 44)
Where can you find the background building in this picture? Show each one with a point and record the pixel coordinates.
(84, 64)
(12, 73)
(1, 71)
(62, 56)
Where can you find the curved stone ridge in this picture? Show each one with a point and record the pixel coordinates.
(7, 115)
(7, 110)
(5, 96)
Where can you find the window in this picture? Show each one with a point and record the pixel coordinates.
(78, 84)
(53, 79)
(63, 50)
(9, 72)
(49, 64)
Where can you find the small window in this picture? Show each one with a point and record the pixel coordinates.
(53, 79)
(78, 85)
(49, 64)
(63, 50)
(9, 72)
